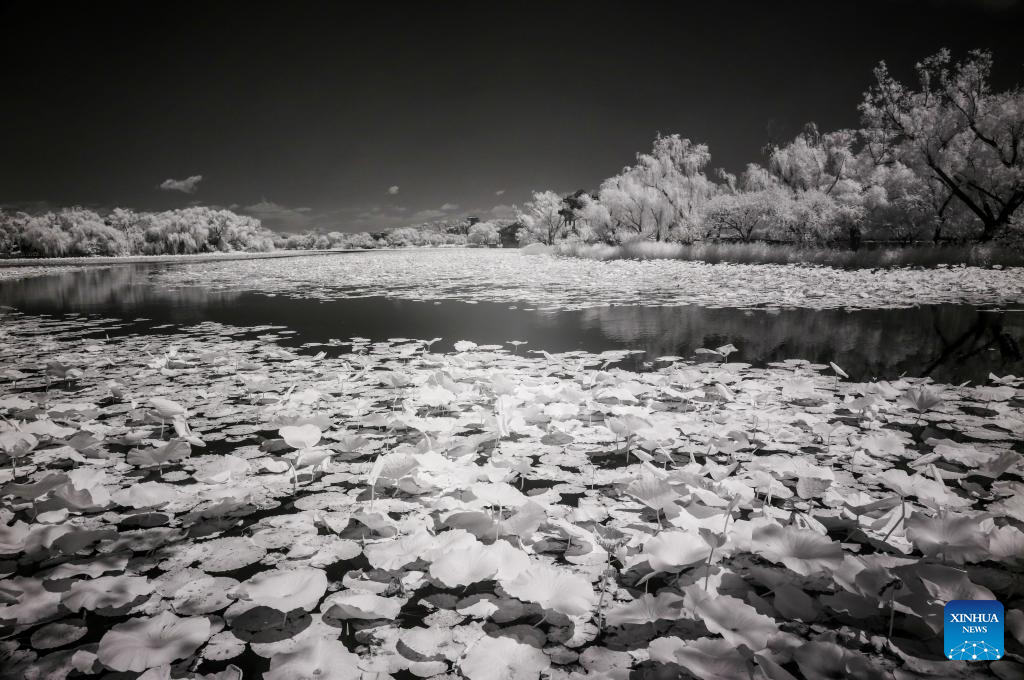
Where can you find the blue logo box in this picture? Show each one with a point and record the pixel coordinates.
(973, 630)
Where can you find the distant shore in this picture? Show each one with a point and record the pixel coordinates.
(159, 259)
(892, 257)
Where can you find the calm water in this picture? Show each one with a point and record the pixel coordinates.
(951, 343)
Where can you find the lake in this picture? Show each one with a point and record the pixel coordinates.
(234, 465)
(316, 302)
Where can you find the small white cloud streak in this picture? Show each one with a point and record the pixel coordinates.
(185, 186)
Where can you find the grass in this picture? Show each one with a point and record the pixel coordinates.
(988, 255)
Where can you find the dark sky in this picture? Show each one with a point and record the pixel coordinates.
(307, 113)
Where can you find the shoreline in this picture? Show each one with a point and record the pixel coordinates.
(717, 254)
(932, 257)
(165, 259)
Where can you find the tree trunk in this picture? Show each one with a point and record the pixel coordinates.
(989, 230)
(992, 227)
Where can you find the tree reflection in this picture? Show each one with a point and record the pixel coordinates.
(122, 289)
(950, 343)
(947, 342)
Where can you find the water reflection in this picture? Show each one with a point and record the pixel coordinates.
(951, 343)
(948, 342)
(126, 288)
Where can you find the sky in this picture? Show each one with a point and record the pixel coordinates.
(362, 116)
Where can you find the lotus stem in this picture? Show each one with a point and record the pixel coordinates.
(707, 570)
(903, 516)
(892, 610)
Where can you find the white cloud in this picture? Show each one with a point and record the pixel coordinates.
(393, 189)
(450, 206)
(186, 186)
(499, 192)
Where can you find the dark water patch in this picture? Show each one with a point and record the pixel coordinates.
(951, 343)
(249, 662)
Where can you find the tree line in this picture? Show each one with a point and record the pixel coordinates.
(72, 232)
(81, 232)
(940, 160)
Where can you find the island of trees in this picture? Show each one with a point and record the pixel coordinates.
(939, 160)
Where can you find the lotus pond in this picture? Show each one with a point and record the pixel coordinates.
(266, 475)
(948, 324)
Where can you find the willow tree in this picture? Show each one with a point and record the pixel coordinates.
(815, 160)
(659, 197)
(674, 171)
(952, 127)
(543, 218)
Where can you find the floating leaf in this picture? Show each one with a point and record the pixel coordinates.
(736, 621)
(284, 589)
(105, 592)
(301, 436)
(646, 609)
(801, 550)
(203, 596)
(954, 538)
(26, 601)
(318, 658)
(553, 588)
(58, 634)
(228, 554)
(139, 644)
(675, 550)
(167, 409)
(838, 371)
(503, 658)
(920, 399)
(706, 658)
(358, 604)
(821, 660)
